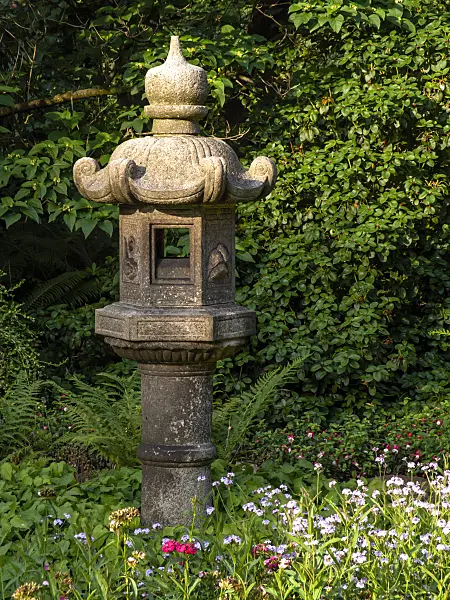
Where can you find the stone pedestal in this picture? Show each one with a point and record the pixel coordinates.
(176, 448)
(177, 350)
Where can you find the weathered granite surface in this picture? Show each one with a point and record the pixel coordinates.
(176, 316)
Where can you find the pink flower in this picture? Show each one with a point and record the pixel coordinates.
(190, 549)
(291, 437)
(310, 434)
(169, 546)
(185, 548)
(46, 567)
(259, 549)
(271, 563)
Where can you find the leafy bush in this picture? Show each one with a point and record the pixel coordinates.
(18, 343)
(406, 433)
(357, 273)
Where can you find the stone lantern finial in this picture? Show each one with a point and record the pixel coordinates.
(176, 91)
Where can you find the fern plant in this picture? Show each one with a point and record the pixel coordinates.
(232, 422)
(19, 408)
(74, 288)
(105, 418)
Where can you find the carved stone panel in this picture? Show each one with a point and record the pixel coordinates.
(218, 249)
(130, 265)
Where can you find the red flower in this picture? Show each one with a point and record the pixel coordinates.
(272, 563)
(190, 549)
(169, 546)
(187, 548)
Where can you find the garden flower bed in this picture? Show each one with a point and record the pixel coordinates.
(64, 540)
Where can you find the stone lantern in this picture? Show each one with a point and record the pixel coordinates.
(176, 316)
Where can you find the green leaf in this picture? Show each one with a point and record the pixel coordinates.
(337, 22)
(11, 218)
(6, 100)
(87, 226)
(408, 25)
(19, 523)
(31, 212)
(69, 220)
(375, 20)
(8, 88)
(219, 91)
(245, 256)
(6, 471)
(4, 549)
(107, 227)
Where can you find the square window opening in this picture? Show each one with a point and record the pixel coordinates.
(172, 253)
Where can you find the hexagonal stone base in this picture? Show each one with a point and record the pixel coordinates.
(212, 324)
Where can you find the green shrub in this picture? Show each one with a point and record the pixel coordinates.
(407, 433)
(18, 342)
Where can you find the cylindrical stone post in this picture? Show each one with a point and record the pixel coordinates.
(176, 450)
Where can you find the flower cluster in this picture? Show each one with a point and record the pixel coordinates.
(27, 591)
(122, 517)
(187, 548)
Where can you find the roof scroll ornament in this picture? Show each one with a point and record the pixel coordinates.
(176, 315)
(174, 166)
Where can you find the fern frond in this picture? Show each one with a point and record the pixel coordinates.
(18, 415)
(55, 289)
(106, 418)
(238, 414)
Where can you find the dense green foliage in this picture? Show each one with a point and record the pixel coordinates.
(346, 262)
(18, 343)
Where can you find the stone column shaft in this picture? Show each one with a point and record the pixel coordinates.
(176, 450)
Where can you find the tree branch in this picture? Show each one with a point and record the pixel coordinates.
(58, 99)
